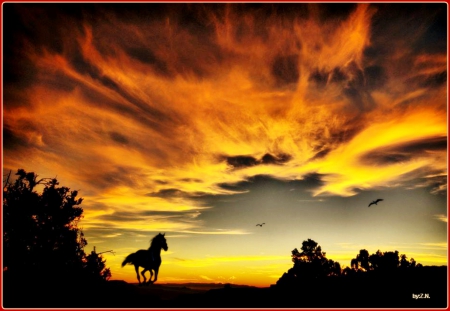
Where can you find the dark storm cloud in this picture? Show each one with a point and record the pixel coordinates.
(321, 154)
(25, 22)
(279, 159)
(84, 67)
(146, 56)
(308, 182)
(435, 80)
(248, 161)
(285, 70)
(319, 77)
(17, 69)
(13, 141)
(434, 38)
(336, 11)
(186, 47)
(356, 83)
(360, 99)
(428, 80)
(423, 145)
(337, 75)
(248, 183)
(404, 152)
(241, 161)
(375, 77)
(25, 31)
(419, 25)
(119, 138)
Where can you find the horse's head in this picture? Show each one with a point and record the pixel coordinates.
(161, 240)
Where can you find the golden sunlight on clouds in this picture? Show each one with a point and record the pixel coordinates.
(212, 112)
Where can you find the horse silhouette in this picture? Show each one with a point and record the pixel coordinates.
(149, 259)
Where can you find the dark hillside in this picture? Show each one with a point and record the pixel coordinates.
(365, 290)
(362, 291)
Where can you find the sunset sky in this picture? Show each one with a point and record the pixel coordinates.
(201, 120)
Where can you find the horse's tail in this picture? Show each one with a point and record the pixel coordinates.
(127, 260)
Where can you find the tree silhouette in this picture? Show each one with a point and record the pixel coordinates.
(95, 267)
(361, 262)
(309, 264)
(386, 261)
(381, 261)
(407, 264)
(363, 259)
(41, 238)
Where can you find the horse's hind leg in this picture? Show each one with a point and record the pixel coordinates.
(151, 276)
(143, 275)
(137, 273)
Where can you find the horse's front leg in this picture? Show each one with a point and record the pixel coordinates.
(137, 273)
(156, 274)
(151, 276)
(143, 275)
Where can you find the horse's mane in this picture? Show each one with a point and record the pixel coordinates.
(155, 239)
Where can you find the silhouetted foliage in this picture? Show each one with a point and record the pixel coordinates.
(381, 262)
(41, 238)
(362, 259)
(95, 267)
(309, 264)
(408, 264)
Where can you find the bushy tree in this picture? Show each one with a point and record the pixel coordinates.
(386, 261)
(41, 238)
(309, 264)
(95, 267)
(381, 261)
(408, 264)
(363, 259)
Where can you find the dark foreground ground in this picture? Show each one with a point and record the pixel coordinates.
(364, 291)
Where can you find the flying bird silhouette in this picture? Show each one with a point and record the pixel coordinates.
(375, 202)
(261, 224)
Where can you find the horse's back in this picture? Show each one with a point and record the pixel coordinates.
(141, 252)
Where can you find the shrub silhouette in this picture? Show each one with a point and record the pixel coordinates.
(95, 267)
(41, 238)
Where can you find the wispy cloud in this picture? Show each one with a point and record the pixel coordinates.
(442, 245)
(204, 277)
(441, 217)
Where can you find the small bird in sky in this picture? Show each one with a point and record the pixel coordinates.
(375, 202)
(261, 224)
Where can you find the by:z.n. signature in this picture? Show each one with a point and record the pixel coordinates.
(421, 296)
